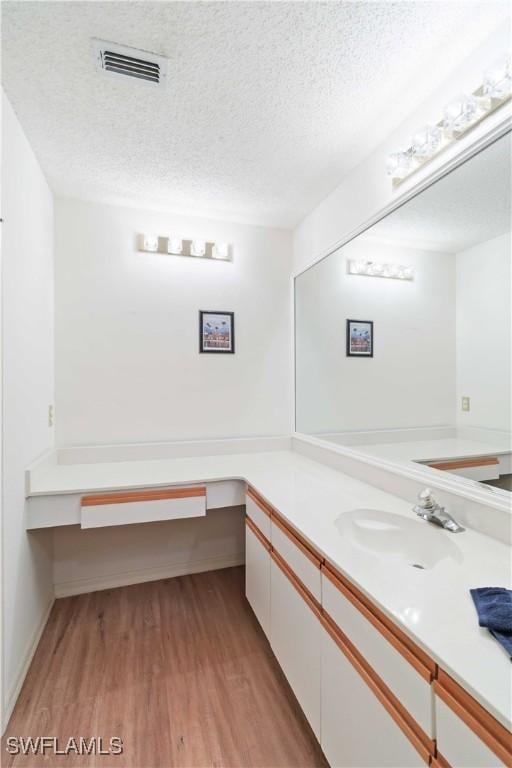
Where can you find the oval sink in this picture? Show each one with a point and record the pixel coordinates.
(418, 544)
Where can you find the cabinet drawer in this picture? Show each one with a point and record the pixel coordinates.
(467, 735)
(405, 677)
(258, 512)
(459, 745)
(295, 632)
(106, 509)
(304, 564)
(257, 575)
(358, 729)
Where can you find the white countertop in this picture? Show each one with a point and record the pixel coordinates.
(433, 605)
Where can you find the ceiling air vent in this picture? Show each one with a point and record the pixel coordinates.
(120, 60)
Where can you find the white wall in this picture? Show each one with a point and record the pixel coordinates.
(86, 560)
(367, 190)
(484, 334)
(28, 364)
(410, 381)
(128, 367)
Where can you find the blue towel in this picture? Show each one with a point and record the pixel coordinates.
(494, 608)
(504, 639)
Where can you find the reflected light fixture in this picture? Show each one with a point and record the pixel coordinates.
(380, 269)
(459, 116)
(151, 243)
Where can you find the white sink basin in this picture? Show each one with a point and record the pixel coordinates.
(412, 542)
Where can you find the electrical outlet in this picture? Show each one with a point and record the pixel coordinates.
(51, 417)
(465, 404)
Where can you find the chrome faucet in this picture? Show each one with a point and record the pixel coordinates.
(432, 512)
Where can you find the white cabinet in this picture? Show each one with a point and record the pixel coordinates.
(404, 680)
(101, 510)
(295, 633)
(257, 577)
(357, 730)
(301, 561)
(259, 514)
(458, 744)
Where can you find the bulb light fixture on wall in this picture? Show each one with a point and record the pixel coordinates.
(380, 269)
(461, 115)
(175, 245)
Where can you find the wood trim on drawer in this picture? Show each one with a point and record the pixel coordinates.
(297, 583)
(306, 550)
(418, 738)
(440, 762)
(266, 508)
(484, 461)
(254, 528)
(421, 662)
(184, 492)
(475, 716)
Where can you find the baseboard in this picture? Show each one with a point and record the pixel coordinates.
(125, 578)
(13, 694)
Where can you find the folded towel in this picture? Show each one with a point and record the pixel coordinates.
(505, 639)
(494, 607)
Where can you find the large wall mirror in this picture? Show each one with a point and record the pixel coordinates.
(403, 335)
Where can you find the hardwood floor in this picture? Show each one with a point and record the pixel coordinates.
(179, 669)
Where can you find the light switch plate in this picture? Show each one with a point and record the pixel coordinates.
(465, 403)
(50, 416)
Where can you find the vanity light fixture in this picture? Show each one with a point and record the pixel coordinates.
(175, 245)
(459, 117)
(380, 269)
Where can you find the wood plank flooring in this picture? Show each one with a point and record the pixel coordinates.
(179, 669)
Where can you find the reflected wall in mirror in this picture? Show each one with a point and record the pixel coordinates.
(437, 389)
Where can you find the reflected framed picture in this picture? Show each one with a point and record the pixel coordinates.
(216, 332)
(359, 338)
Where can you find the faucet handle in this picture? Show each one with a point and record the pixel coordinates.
(426, 499)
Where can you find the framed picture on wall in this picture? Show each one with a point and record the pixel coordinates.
(216, 332)
(359, 338)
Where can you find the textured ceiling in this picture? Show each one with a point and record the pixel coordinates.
(469, 206)
(268, 104)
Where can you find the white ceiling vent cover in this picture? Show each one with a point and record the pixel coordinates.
(121, 61)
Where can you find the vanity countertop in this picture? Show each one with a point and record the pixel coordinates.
(369, 535)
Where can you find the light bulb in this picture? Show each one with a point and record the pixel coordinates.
(221, 251)
(460, 114)
(399, 164)
(426, 142)
(174, 245)
(151, 243)
(198, 248)
(498, 80)
(356, 267)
